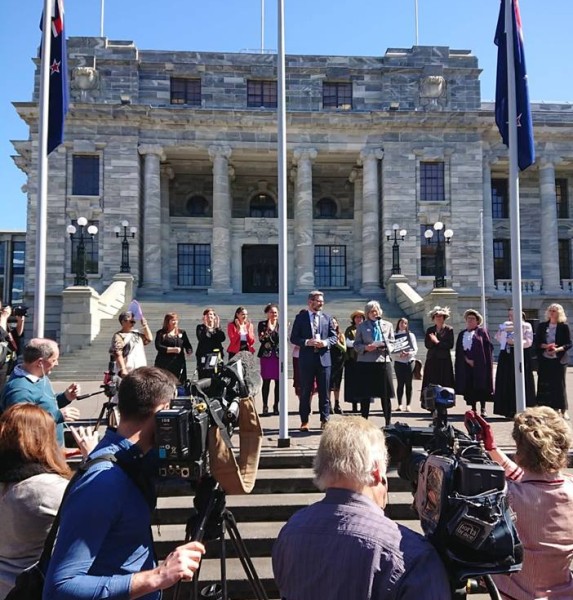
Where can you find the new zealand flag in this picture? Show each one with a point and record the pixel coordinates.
(525, 143)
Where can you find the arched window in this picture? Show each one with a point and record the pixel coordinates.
(197, 206)
(326, 208)
(263, 205)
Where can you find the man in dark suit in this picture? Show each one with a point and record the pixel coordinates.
(313, 332)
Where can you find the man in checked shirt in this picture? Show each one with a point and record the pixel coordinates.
(344, 546)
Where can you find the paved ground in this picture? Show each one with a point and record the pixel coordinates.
(304, 442)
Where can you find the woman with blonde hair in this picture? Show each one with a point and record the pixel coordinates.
(552, 342)
(33, 479)
(541, 496)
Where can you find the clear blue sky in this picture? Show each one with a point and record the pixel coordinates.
(367, 27)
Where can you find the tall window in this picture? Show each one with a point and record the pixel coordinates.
(18, 260)
(91, 248)
(562, 198)
(326, 209)
(330, 266)
(565, 259)
(194, 264)
(85, 176)
(499, 199)
(263, 206)
(186, 91)
(261, 94)
(428, 252)
(501, 259)
(337, 94)
(432, 181)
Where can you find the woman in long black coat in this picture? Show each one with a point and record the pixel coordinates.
(439, 341)
(172, 344)
(552, 341)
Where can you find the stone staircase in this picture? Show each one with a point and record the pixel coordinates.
(89, 363)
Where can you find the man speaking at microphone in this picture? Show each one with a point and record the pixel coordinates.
(29, 383)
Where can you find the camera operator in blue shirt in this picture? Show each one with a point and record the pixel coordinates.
(104, 547)
(344, 546)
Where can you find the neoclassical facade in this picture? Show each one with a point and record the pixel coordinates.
(183, 146)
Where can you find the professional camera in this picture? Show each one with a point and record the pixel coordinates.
(20, 310)
(209, 407)
(438, 399)
(460, 498)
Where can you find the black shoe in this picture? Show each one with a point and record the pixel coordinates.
(265, 410)
(275, 409)
(337, 409)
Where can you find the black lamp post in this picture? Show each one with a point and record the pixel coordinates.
(443, 237)
(399, 234)
(81, 278)
(125, 268)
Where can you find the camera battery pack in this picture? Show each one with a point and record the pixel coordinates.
(474, 478)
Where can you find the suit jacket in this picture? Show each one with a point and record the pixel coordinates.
(562, 338)
(365, 336)
(302, 331)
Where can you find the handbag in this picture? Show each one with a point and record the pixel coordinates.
(30, 582)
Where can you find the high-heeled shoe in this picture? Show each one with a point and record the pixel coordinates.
(275, 409)
(337, 409)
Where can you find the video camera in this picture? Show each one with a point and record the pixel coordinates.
(460, 498)
(20, 310)
(182, 430)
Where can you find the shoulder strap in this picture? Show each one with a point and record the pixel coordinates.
(51, 537)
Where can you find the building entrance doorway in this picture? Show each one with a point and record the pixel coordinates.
(260, 268)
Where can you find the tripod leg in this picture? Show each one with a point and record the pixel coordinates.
(241, 549)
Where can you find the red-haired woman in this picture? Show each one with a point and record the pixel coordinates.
(33, 478)
(172, 344)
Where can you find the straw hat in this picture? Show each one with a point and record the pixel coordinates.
(475, 313)
(357, 313)
(439, 310)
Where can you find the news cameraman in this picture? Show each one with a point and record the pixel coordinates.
(104, 547)
(10, 336)
(344, 546)
(541, 496)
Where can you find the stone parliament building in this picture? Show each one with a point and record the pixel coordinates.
(183, 146)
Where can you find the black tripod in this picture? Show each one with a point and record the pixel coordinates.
(211, 520)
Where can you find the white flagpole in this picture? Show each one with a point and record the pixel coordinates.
(42, 199)
(416, 19)
(101, 15)
(514, 213)
(262, 26)
(482, 269)
(283, 440)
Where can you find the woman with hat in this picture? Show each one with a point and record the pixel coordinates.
(474, 362)
(439, 341)
(356, 318)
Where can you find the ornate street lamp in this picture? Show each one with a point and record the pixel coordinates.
(125, 268)
(443, 237)
(399, 234)
(80, 278)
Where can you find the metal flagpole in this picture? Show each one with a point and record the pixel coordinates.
(283, 440)
(482, 269)
(262, 26)
(416, 19)
(101, 13)
(42, 200)
(514, 212)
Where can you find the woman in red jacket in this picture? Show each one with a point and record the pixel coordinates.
(240, 333)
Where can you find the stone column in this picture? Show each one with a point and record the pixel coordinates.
(370, 221)
(303, 221)
(151, 222)
(222, 214)
(356, 179)
(549, 230)
(168, 249)
(487, 228)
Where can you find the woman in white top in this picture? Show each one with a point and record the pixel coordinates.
(504, 398)
(405, 349)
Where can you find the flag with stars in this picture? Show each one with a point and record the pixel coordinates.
(58, 95)
(525, 143)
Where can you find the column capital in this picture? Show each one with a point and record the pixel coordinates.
(371, 154)
(221, 151)
(548, 161)
(231, 171)
(145, 149)
(355, 174)
(301, 154)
